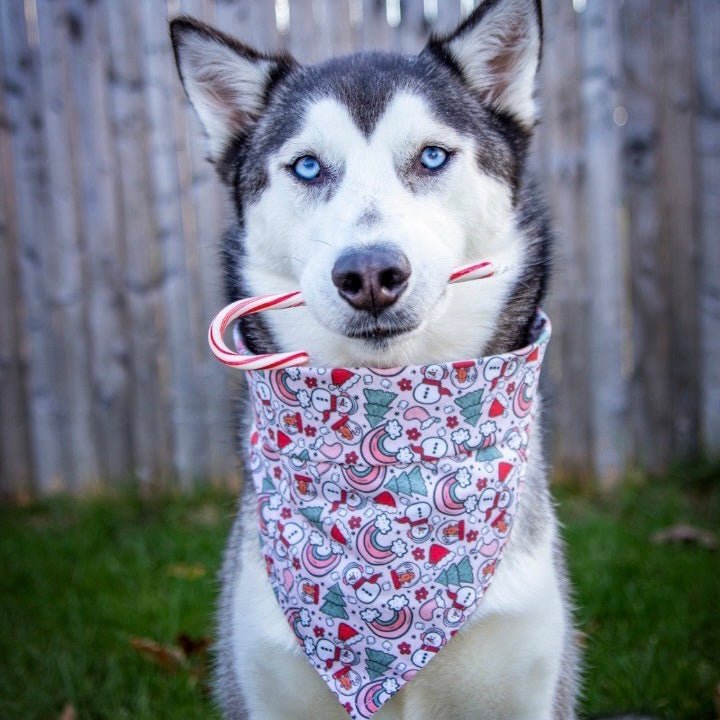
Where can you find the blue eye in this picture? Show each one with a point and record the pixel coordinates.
(433, 157)
(307, 168)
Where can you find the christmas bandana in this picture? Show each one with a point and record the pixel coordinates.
(384, 501)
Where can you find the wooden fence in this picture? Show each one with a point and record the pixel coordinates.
(110, 219)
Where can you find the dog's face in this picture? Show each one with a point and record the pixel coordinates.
(364, 181)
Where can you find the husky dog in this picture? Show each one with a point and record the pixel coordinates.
(364, 181)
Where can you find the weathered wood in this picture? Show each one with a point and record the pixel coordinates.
(706, 45)
(15, 464)
(606, 240)
(144, 271)
(677, 177)
(99, 219)
(189, 439)
(650, 409)
(562, 172)
(110, 224)
(23, 108)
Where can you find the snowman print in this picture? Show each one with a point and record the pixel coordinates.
(432, 640)
(342, 406)
(286, 536)
(264, 397)
(417, 517)
(340, 498)
(365, 586)
(430, 388)
(430, 451)
(460, 600)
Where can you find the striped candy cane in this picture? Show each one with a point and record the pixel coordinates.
(274, 361)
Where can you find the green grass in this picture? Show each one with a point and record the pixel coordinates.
(79, 580)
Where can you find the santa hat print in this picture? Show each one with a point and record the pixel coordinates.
(437, 554)
(338, 535)
(385, 498)
(284, 442)
(342, 378)
(504, 469)
(348, 634)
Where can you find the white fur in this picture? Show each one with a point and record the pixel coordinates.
(293, 241)
(499, 57)
(225, 88)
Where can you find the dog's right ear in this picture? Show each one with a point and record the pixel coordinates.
(226, 81)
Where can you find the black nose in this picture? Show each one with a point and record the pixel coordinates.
(371, 278)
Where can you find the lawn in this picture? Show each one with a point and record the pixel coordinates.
(82, 580)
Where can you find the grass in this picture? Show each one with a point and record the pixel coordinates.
(81, 579)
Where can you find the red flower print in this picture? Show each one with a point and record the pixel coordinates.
(419, 554)
(472, 536)
(348, 708)
(481, 484)
(451, 421)
(311, 382)
(286, 514)
(404, 648)
(319, 632)
(421, 594)
(511, 388)
(355, 522)
(405, 384)
(296, 564)
(413, 433)
(277, 472)
(310, 430)
(351, 458)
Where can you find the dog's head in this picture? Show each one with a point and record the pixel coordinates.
(364, 180)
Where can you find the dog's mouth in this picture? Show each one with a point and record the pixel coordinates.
(379, 330)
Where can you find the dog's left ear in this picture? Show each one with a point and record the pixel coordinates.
(497, 51)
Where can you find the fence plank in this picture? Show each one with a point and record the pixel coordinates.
(99, 219)
(15, 465)
(706, 35)
(606, 242)
(189, 438)
(561, 144)
(144, 272)
(23, 103)
(677, 169)
(649, 409)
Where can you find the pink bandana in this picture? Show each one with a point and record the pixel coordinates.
(385, 499)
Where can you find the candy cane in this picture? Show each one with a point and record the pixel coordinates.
(274, 361)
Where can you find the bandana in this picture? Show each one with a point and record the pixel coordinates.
(384, 501)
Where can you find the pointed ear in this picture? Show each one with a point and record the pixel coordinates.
(497, 50)
(227, 82)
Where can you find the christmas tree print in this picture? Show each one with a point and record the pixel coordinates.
(411, 483)
(488, 453)
(378, 663)
(470, 406)
(377, 405)
(267, 485)
(313, 515)
(334, 604)
(457, 574)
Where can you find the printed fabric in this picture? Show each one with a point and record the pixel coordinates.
(384, 501)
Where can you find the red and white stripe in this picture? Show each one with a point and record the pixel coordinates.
(273, 361)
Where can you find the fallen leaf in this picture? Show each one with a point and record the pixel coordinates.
(193, 646)
(186, 572)
(685, 534)
(169, 657)
(68, 712)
